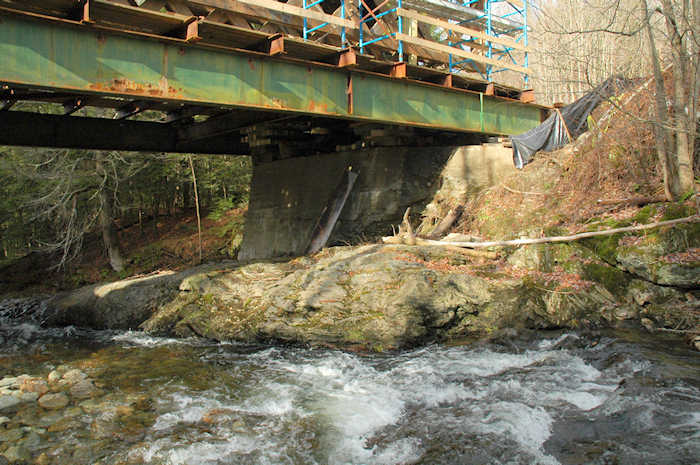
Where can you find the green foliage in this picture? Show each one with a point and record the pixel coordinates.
(645, 214)
(677, 210)
(220, 207)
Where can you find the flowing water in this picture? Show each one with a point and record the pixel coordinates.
(550, 398)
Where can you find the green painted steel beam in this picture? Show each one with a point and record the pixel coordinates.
(76, 58)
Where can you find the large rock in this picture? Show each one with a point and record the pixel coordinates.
(380, 296)
(665, 256)
(119, 305)
(373, 296)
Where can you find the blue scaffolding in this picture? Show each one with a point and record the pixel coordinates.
(493, 33)
(369, 14)
(498, 18)
(307, 4)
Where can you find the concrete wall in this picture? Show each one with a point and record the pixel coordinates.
(288, 196)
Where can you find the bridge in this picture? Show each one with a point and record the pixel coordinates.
(270, 79)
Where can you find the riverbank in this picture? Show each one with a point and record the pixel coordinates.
(382, 297)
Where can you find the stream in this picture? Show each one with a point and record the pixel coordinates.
(543, 398)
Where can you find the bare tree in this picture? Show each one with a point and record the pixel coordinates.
(581, 42)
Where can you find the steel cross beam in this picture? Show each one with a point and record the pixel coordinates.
(71, 57)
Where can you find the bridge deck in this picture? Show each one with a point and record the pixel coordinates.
(214, 83)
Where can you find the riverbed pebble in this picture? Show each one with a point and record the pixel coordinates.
(54, 376)
(8, 402)
(36, 385)
(8, 382)
(73, 376)
(53, 401)
(31, 441)
(11, 435)
(17, 454)
(83, 389)
(26, 396)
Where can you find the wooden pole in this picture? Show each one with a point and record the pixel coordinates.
(196, 203)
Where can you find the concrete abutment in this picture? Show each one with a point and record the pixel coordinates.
(288, 196)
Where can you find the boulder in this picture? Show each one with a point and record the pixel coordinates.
(53, 401)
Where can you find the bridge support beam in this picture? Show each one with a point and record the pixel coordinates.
(58, 131)
(72, 57)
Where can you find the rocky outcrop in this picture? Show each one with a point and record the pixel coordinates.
(666, 257)
(379, 297)
(394, 296)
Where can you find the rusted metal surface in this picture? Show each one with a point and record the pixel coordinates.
(80, 59)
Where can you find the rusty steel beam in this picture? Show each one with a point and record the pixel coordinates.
(67, 56)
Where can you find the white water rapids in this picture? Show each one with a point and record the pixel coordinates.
(607, 399)
(434, 405)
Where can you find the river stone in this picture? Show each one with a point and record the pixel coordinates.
(32, 441)
(4, 420)
(17, 454)
(53, 401)
(8, 402)
(43, 459)
(26, 396)
(105, 425)
(37, 385)
(74, 376)
(9, 382)
(92, 406)
(56, 374)
(83, 389)
(64, 424)
(82, 456)
(50, 418)
(11, 435)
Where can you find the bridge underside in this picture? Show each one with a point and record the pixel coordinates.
(72, 83)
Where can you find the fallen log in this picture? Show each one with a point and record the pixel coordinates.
(401, 239)
(447, 222)
(631, 202)
(552, 239)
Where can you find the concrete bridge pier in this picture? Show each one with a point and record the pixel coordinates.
(288, 196)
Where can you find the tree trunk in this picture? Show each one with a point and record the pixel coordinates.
(682, 95)
(663, 139)
(109, 232)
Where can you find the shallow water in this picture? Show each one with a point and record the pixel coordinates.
(624, 398)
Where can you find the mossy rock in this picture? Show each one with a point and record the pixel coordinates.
(644, 254)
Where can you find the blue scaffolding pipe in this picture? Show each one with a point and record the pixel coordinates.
(377, 39)
(489, 31)
(367, 15)
(526, 78)
(307, 30)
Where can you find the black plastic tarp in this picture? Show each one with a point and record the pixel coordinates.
(552, 133)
